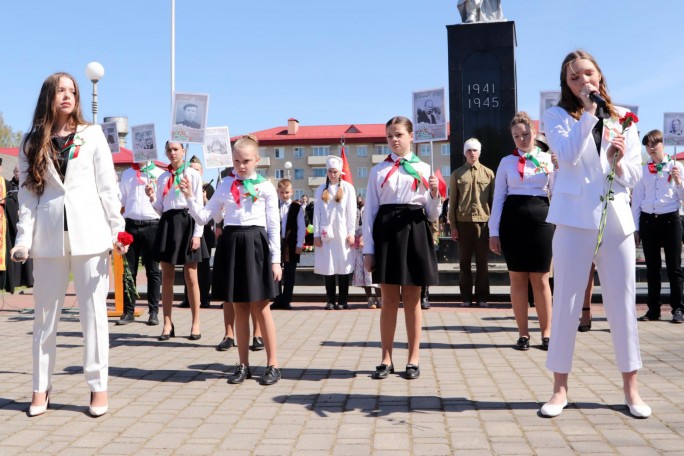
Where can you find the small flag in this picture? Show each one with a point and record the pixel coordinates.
(442, 183)
(346, 171)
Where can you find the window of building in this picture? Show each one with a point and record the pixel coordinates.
(320, 151)
(298, 193)
(298, 152)
(361, 151)
(361, 192)
(319, 172)
(279, 152)
(382, 149)
(446, 149)
(280, 174)
(424, 150)
(298, 174)
(446, 171)
(262, 152)
(261, 172)
(362, 172)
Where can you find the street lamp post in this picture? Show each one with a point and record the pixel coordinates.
(94, 72)
(288, 167)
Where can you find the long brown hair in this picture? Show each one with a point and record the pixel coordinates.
(37, 144)
(568, 100)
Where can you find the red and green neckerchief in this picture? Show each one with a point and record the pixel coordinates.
(522, 159)
(410, 170)
(174, 178)
(654, 168)
(145, 169)
(248, 185)
(73, 147)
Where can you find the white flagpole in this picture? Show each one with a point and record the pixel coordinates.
(432, 160)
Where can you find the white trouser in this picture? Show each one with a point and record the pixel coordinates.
(573, 252)
(91, 280)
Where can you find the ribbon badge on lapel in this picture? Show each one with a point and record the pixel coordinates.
(73, 147)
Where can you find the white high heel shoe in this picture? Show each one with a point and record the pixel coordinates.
(552, 410)
(638, 411)
(97, 411)
(35, 410)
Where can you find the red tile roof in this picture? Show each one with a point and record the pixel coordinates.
(323, 134)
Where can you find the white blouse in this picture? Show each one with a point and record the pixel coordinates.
(175, 199)
(536, 181)
(397, 190)
(263, 212)
(653, 194)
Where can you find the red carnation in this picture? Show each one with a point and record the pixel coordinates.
(628, 120)
(125, 238)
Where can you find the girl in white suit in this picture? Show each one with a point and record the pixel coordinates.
(69, 219)
(585, 139)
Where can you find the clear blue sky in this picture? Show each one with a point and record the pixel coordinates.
(321, 62)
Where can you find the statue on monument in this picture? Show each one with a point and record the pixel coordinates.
(480, 11)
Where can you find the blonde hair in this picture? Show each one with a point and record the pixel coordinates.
(247, 141)
(284, 183)
(325, 196)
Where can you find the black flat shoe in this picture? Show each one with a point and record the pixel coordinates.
(195, 336)
(545, 344)
(226, 344)
(382, 371)
(523, 344)
(412, 371)
(164, 337)
(125, 319)
(271, 376)
(257, 344)
(648, 317)
(153, 320)
(240, 374)
(329, 306)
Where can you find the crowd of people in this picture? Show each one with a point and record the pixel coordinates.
(568, 204)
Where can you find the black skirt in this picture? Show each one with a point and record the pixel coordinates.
(404, 250)
(525, 235)
(242, 266)
(174, 238)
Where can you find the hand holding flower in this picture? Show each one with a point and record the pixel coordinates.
(616, 151)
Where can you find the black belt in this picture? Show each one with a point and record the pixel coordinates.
(142, 222)
(655, 216)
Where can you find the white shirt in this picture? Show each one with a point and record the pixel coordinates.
(175, 199)
(301, 228)
(535, 182)
(262, 212)
(397, 190)
(136, 203)
(653, 194)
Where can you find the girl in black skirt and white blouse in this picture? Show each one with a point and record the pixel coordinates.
(179, 239)
(398, 246)
(521, 204)
(250, 263)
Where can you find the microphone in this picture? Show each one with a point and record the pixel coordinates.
(597, 98)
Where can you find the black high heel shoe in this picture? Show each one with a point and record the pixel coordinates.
(164, 337)
(585, 328)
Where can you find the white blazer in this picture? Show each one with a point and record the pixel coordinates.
(581, 179)
(88, 194)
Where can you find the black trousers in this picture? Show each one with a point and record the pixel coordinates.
(144, 233)
(343, 281)
(656, 232)
(286, 284)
